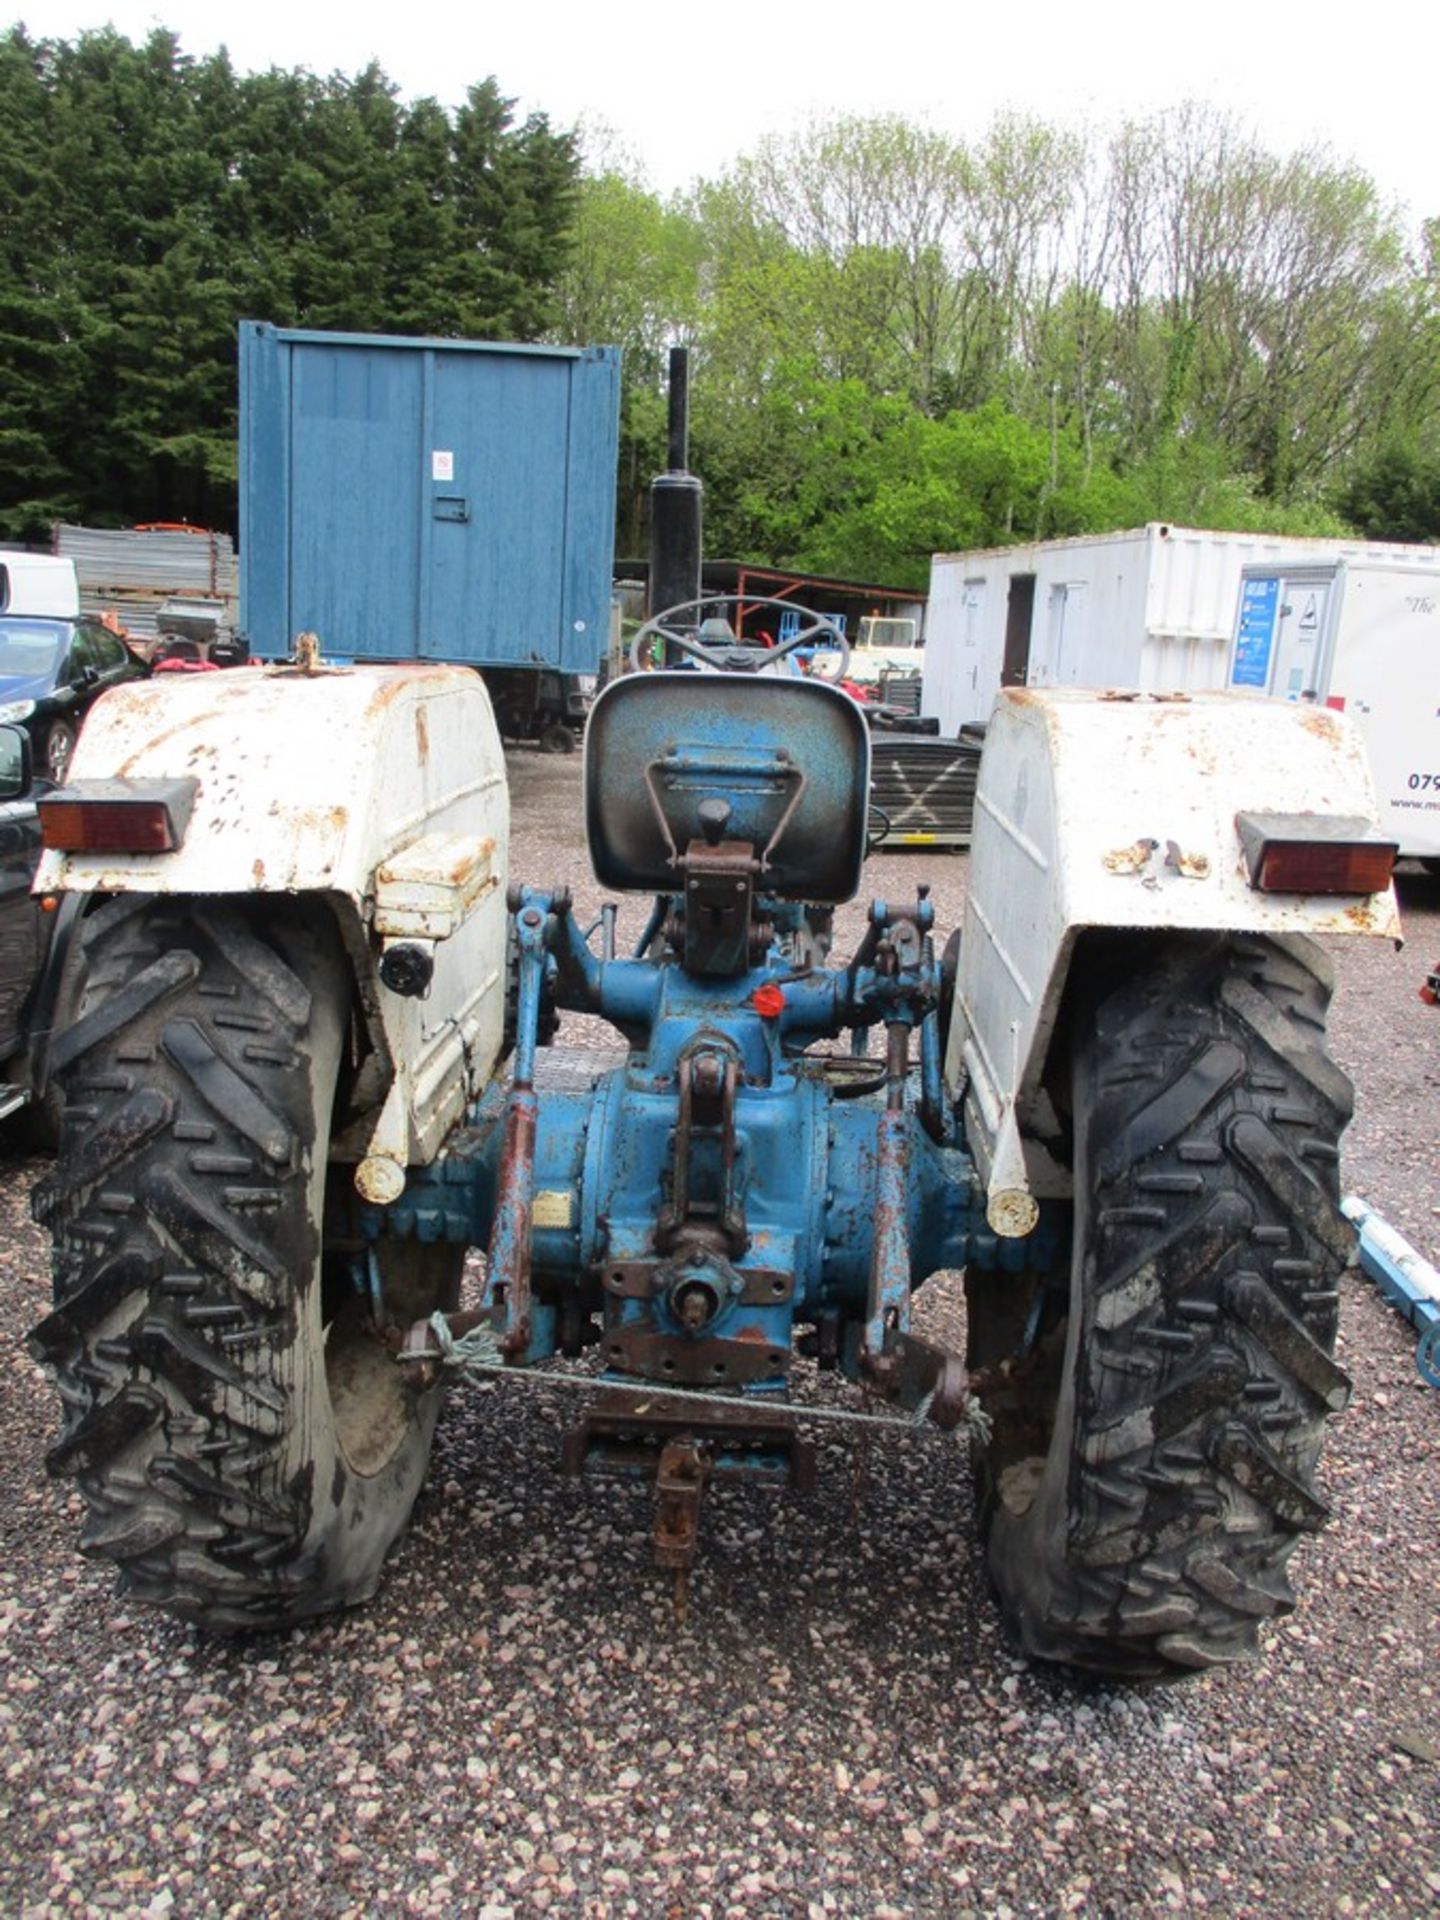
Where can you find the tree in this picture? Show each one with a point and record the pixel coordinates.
(39, 366)
(516, 192)
(151, 200)
(1395, 495)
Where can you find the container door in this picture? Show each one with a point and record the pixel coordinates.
(498, 453)
(1066, 644)
(354, 548)
(1019, 610)
(1282, 634)
(1299, 640)
(405, 499)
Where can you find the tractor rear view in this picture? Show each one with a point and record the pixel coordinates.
(286, 1121)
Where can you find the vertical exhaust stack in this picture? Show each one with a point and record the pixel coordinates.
(676, 499)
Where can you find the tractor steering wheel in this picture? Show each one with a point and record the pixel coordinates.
(736, 658)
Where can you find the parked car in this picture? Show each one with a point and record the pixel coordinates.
(26, 930)
(52, 671)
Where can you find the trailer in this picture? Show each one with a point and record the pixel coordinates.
(1161, 608)
(435, 500)
(157, 581)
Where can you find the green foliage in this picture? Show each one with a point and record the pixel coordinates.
(41, 363)
(151, 200)
(829, 477)
(1395, 495)
(631, 280)
(907, 344)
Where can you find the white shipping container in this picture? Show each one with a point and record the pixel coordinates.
(1159, 608)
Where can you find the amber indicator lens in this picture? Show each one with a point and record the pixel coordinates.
(117, 816)
(1314, 853)
(1290, 867)
(100, 826)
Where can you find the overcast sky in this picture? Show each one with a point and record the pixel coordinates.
(688, 87)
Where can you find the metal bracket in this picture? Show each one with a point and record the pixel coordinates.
(680, 1483)
(927, 1378)
(694, 1361)
(719, 897)
(709, 1076)
(507, 1289)
(697, 1441)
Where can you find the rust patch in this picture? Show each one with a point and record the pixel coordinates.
(466, 857)
(1132, 859)
(154, 740)
(1371, 915)
(1322, 723)
(403, 678)
(327, 819)
(465, 863)
(422, 735)
(1189, 864)
(292, 670)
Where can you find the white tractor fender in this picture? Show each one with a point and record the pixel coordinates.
(1098, 810)
(380, 788)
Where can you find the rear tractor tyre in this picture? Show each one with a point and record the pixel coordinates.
(246, 1446)
(1154, 1455)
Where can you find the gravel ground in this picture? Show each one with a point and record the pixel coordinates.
(518, 1725)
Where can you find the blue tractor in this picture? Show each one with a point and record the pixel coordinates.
(289, 1116)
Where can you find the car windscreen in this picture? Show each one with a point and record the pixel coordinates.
(30, 649)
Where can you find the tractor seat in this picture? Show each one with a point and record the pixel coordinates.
(673, 758)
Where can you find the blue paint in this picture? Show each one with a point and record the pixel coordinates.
(747, 1172)
(790, 757)
(1399, 1274)
(810, 1168)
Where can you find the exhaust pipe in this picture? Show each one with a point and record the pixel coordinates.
(676, 502)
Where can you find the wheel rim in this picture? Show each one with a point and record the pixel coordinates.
(57, 753)
(372, 1404)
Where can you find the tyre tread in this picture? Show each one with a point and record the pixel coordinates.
(173, 1315)
(1191, 1478)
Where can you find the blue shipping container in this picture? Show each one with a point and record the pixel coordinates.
(427, 499)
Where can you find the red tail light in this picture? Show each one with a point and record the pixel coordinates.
(1315, 853)
(117, 816)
